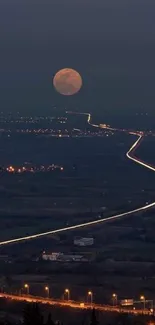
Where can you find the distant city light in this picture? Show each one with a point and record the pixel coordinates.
(28, 168)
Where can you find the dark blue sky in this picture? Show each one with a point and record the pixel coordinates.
(110, 42)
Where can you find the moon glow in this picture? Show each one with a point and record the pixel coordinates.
(67, 82)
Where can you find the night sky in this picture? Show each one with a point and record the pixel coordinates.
(110, 42)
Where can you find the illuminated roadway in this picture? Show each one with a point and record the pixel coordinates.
(130, 155)
(72, 304)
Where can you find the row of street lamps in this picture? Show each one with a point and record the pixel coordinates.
(27, 288)
(142, 299)
(90, 296)
(66, 293)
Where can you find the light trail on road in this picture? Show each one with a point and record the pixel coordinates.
(130, 155)
(72, 304)
(86, 224)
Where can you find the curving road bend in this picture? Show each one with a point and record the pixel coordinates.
(130, 155)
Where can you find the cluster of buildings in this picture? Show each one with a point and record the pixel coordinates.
(61, 257)
(70, 257)
(84, 241)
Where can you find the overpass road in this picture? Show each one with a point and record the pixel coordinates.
(73, 304)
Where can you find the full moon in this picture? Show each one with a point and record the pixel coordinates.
(67, 81)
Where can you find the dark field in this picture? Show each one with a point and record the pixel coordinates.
(146, 150)
(96, 174)
(122, 258)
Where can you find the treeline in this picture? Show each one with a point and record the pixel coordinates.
(32, 316)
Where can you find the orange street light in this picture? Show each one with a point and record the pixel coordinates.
(90, 294)
(47, 290)
(26, 286)
(114, 299)
(142, 298)
(67, 292)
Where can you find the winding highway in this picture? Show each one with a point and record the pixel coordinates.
(130, 155)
